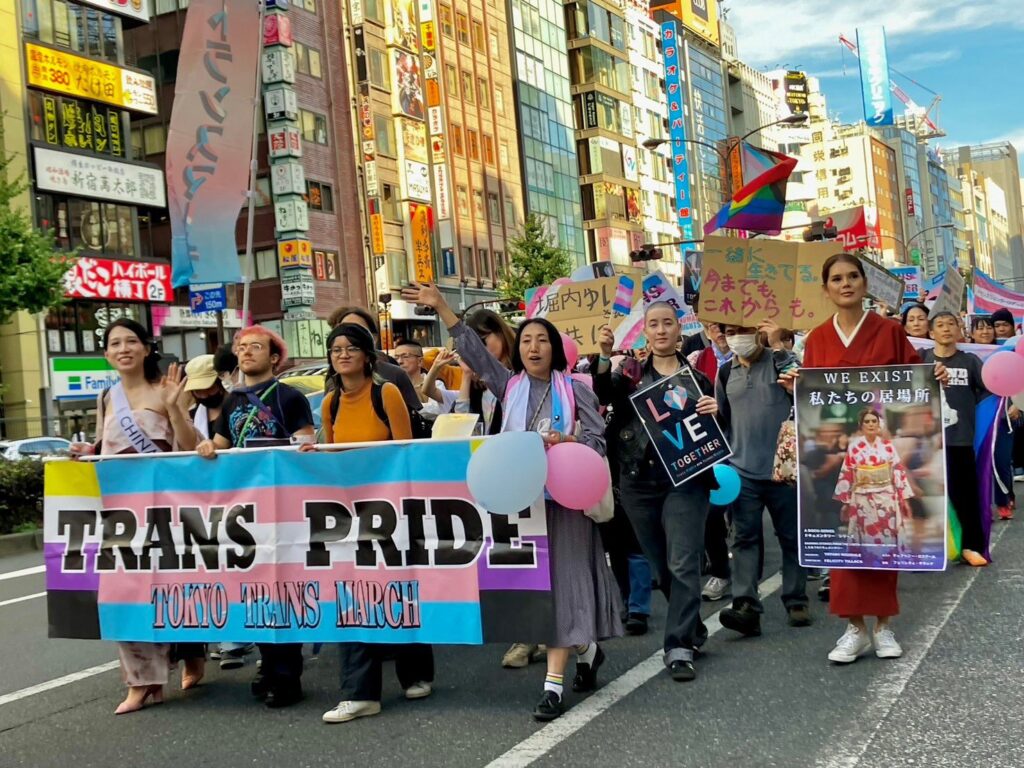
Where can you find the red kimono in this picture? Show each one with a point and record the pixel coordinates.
(878, 342)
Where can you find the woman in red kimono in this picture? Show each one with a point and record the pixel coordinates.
(854, 337)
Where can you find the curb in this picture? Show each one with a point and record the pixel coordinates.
(19, 543)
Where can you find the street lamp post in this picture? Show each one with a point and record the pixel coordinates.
(906, 245)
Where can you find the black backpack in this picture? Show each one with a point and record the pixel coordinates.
(421, 427)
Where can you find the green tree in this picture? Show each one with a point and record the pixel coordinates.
(31, 268)
(533, 259)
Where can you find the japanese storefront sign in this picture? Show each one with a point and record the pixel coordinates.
(184, 317)
(686, 442)
(99, 178)
(294, 253)
(297, 288)
(580, 309)
(75, 124)
(883, 285)
(209, 142)
(80, 377)
(284, 141)
(675, 93)
(291, 214)
(421, 224)
(747, 281)
(72, 75)
(277, 29)
(858, 429)
(113, 279)
(133, 9)
(377, 233)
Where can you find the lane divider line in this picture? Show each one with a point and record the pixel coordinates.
(58, 682)
(23, 572)
(14, 600)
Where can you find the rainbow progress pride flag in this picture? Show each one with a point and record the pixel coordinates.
(760, 204)
(381, 544)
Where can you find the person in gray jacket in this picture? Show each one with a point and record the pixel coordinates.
(752, 407)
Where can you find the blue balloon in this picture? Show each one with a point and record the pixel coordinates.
(506, 474)
(1010, 344)
(728, 485)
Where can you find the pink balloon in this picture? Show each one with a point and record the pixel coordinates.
(1003, 374)
(577, 475)
(572, 351)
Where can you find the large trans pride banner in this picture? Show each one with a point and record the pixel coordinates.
(381, 544)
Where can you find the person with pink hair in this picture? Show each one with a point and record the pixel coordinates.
(264, 408)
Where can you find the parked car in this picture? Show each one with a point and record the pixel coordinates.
(34, 448)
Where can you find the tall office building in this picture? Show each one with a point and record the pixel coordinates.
(999, 162)
(546, 124)
(71, 93)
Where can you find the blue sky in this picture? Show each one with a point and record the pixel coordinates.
(967, 52)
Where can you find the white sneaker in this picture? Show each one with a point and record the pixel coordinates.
(851, 645)
(886, 646)
(419, 690)
(350, 710)
(716, 589)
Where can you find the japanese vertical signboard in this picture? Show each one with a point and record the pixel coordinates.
(421, 227)
(870, 444)
(874, 76)
(675, 93)
(747, 281)
(209, 143)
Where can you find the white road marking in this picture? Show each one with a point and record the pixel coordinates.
(554, 733)
(23, 572)
(14, 600)
(58, 682)
(888, 689)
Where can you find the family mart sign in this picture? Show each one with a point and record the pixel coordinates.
(80, 377)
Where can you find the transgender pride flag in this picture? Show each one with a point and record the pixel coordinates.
(380, 544)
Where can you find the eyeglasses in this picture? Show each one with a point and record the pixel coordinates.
(407, 356)
(253, 346)
(344, 351)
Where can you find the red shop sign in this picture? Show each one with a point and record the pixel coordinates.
(116, 280)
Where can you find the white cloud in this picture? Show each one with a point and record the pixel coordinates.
(769, 32)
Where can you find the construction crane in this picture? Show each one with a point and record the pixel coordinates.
(927, 131)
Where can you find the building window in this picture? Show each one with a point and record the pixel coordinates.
(485, 265)
(320, 196)
(503, 155)
(314, 127)
(478, 36)
(468, 262)
(447, 27)
(374, 9)
(398, 267)
(265, 263)
(478, 204)
(462, 24)
(389, 205)
(472, 144)
(499, 264)
(493, 208)
(495, 50)
(384, 135)
(309, 5)
(484, 93)
(307, 60)
(510, 213)
(380, 75)
(467, 87)
(488, 150)
(97, 228)
(461, 200)
(499, 100)
(73, 27)
(451, 78)
(457, 147)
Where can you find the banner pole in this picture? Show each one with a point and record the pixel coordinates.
(247, 275)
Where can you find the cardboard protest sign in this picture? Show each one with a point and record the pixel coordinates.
(580, 309)
(883, 285)
(377, 544)
(747, 281)
(951, 295)
(686, 442)
(860, 434)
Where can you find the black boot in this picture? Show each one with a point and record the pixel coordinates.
(744, 620)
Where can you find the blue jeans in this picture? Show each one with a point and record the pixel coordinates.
(639, 585)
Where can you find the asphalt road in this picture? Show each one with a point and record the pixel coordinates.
(955, 697)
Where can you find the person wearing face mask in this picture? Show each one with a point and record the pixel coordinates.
(753, 406)
(225, 362)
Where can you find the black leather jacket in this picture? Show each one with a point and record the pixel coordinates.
(626, 437)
